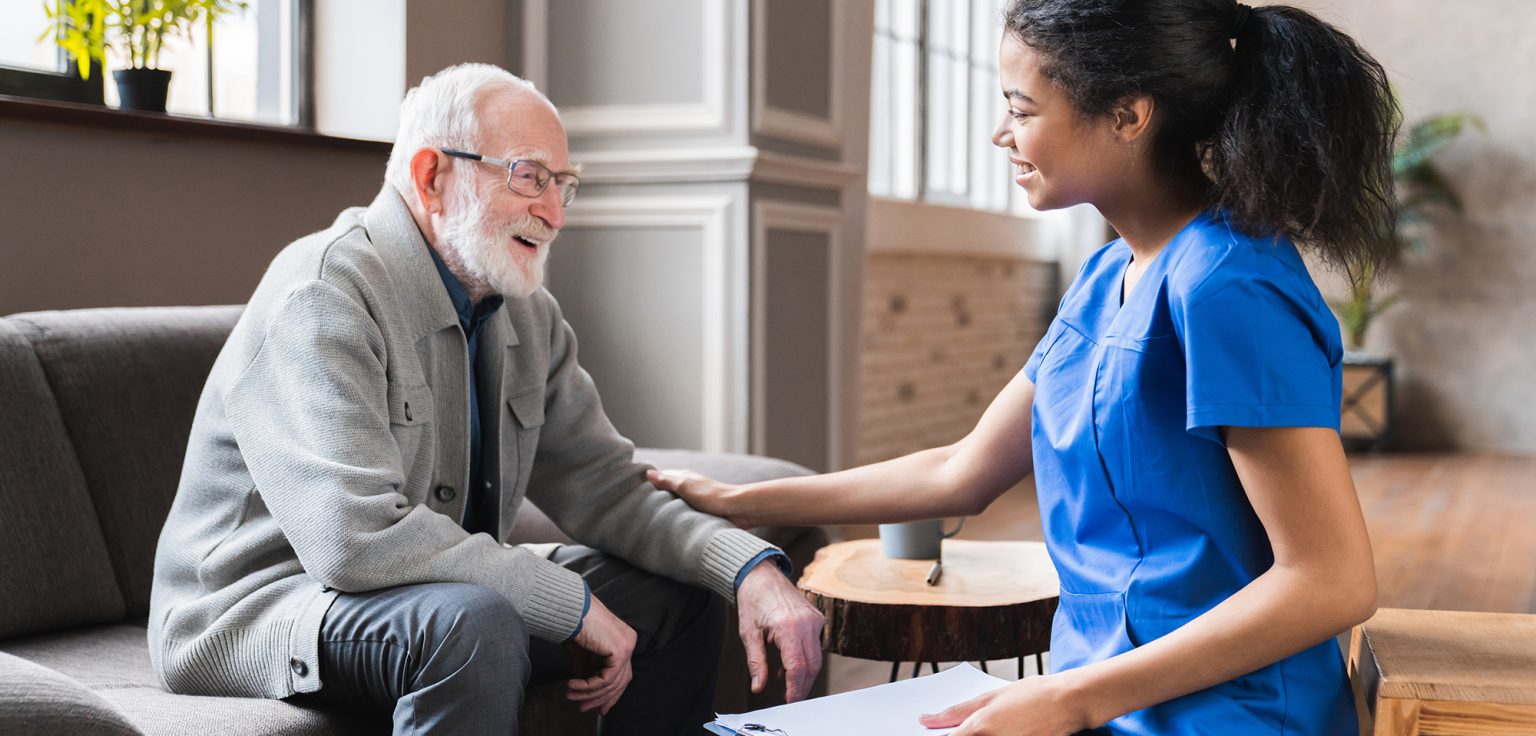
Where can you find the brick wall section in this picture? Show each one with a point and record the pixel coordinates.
(942, 335)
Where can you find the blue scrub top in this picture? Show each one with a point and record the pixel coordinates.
(1142, 510)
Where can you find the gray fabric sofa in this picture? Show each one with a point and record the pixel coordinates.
(98, 405)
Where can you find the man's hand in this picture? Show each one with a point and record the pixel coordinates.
(612, 642)
(772, 609)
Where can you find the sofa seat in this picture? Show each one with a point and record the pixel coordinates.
(113, 662)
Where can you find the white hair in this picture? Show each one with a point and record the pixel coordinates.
(441, 112)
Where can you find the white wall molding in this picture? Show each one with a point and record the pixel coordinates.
(536, 42)
(723, 422)
(797, 218)
(656, 166)
(777, 168)
(792, 125)
(732, 163)
(709, 115)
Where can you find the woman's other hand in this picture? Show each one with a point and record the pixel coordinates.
(703, 493)
(1037, 706)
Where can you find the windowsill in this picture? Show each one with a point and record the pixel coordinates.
(101, 117)
(909, 226)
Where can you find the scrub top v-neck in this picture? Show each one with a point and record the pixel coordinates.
(1143, 513)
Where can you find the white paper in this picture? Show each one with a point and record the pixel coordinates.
(884, 709)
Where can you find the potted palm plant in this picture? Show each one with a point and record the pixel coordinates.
(1423, 193)
(85, 29)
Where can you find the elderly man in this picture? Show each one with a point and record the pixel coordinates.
(395, 387)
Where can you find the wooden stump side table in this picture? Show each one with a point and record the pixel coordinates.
(1445, 672)
(995, 600)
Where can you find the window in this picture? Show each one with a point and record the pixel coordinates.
(249, 66)
(934, 103)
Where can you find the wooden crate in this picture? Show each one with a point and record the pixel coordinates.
(1366, 413)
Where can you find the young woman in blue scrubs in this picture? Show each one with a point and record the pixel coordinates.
(1181, 413)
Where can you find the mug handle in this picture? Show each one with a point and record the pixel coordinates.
(958, 527)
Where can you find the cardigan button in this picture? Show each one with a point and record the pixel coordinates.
(408, 411)
(298, 667)
(444, 493)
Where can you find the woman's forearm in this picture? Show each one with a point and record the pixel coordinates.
(906, 488)
(956, 480)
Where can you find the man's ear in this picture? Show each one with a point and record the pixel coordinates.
(1132, 117)
(428, 173)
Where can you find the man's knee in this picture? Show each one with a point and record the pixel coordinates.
(472, 625)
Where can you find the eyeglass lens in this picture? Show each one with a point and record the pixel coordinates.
(529, 178)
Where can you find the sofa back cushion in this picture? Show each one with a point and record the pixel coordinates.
(54, 567)
(127, 382)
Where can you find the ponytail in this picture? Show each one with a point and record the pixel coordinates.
(1289, 119)
(1305, 146)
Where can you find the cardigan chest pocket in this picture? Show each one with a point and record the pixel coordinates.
(411, 415)
(527, 409)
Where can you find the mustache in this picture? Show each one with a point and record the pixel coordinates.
(530, 227)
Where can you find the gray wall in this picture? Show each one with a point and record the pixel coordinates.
(1464, 337)
(97, 217)
(115, 218)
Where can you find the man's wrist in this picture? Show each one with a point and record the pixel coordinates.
(781, 561)
(586, 605)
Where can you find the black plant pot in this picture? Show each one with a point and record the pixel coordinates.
(142, 89)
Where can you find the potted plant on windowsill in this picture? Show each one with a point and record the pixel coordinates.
(1423, 193)
(85, 29)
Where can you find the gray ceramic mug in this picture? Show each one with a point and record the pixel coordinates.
(915, 540)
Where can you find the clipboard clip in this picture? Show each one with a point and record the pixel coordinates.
(760, 728)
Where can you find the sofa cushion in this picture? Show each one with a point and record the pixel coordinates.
(113, 661)
(127, 382)
(37, 701)
(56, 570)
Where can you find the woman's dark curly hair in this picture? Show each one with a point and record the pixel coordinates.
(1290, 120)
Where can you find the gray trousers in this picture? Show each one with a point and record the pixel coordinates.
(456, 658)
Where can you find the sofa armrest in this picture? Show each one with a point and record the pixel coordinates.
(37, 701)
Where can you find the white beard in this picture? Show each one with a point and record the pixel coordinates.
(488, 252)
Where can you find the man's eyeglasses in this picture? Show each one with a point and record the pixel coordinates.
(525, 177)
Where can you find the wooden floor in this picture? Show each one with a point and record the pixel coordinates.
(1451, 532)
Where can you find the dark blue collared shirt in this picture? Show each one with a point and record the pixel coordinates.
(479, 512)
(479, 515)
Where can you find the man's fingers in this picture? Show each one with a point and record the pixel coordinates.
(800, 678)
(757, 658)
(954, 714)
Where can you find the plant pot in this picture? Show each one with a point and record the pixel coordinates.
(1366, 409)
(144, 90)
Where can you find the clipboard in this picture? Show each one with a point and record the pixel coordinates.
(892, 708)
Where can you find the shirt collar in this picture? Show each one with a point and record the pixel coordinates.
(471, 315)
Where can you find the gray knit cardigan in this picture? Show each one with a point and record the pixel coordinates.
(330, 453)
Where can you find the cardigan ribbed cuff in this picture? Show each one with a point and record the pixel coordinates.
(552, 608)
(727, 553)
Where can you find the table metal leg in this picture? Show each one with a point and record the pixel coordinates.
(983, 664)
(895, 670)
(1039, 663)
(917, 668)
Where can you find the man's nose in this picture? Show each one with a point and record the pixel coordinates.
(547, 207)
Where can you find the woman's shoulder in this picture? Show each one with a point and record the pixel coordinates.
(1217, 255)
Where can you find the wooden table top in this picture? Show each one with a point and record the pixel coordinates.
(975, 574)
(1454, 655)
(1446, 672)
(994, 600)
